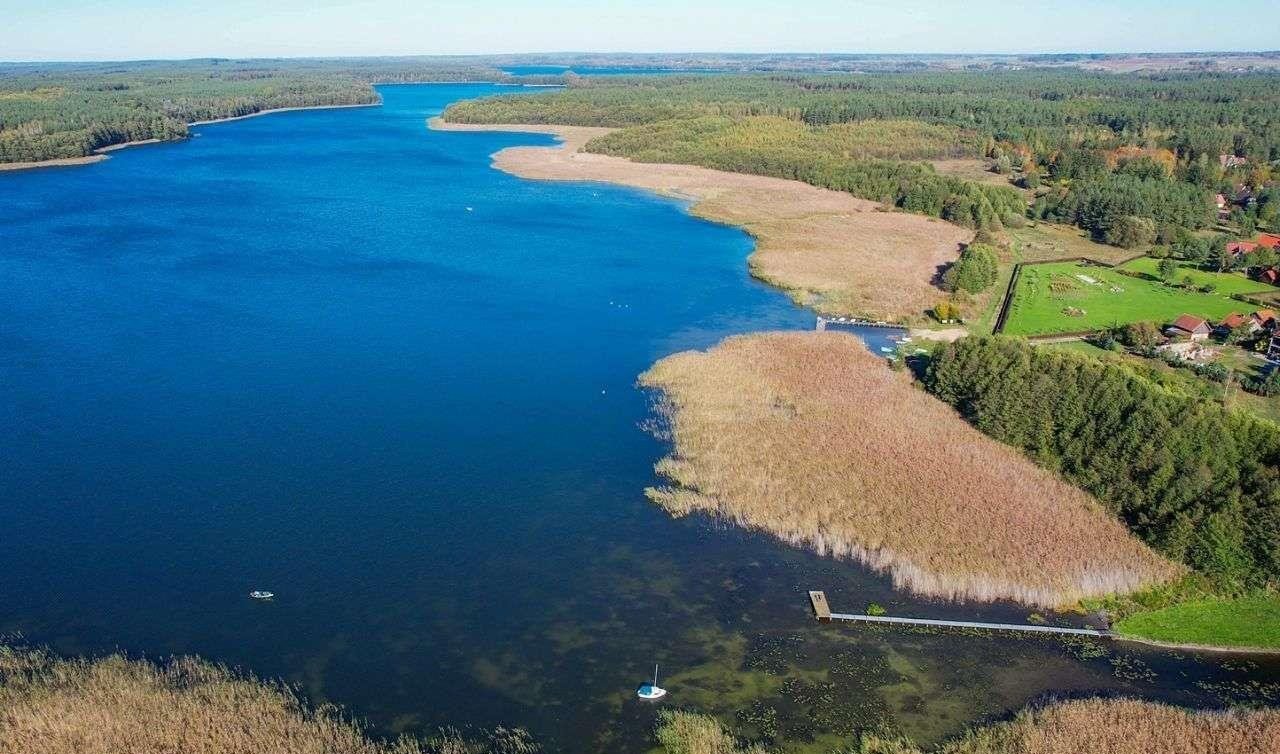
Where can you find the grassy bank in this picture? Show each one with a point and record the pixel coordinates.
(1250, 622)
(1091, 726)
(119, 706)
(810, 437)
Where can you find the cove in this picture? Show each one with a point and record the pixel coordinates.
(335, 355)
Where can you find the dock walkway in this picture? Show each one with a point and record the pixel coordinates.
(823, 612)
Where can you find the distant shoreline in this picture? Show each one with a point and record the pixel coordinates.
(102, 153)
(823, 248)
(281, 110)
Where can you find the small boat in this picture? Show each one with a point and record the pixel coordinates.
(259, 594)
(886, 349)
(652, 691)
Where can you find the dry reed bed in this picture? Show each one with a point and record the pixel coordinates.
(810, 437)
(827, 249)
(119, 706)
(1126, 726)
(1087, 726)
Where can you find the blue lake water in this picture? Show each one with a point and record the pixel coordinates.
(335, 355)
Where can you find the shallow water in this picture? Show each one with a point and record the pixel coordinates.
(335, 355)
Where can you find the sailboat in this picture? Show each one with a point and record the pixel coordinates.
(652, 691)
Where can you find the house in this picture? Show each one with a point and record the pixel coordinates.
(1234, 320)
(1273, 350)
(1269, 240)
(1240, 248)
(1270, 276)
(1265, 319)
(1221, 202)
(1187, 326)
(1228, 161)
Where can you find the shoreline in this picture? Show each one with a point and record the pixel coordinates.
(549, 164)
(827, 250)
(103, 153)
(281, 110)
(1223, 649)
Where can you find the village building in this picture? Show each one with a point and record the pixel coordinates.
(1240, 248)
(1189, 327)
(1234, 320)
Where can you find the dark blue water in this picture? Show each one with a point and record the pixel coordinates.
(335, 355)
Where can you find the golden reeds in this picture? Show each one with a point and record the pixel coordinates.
(1126, 726)
(810, 437)
(118, 706)
(1087, 726)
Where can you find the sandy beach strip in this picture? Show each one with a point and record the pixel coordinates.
(828, 250)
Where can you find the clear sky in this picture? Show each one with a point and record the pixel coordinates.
(130, 29)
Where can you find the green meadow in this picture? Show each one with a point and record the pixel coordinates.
(1068, 297)
(1225, 283)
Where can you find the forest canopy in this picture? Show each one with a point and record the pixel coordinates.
(1199, 483)
(53, 111)
(1132, 158)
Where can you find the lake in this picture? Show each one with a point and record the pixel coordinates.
(336, 355)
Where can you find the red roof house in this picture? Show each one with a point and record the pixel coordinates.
(1236, 248)
(1269, 240)
(1264, 317)
(1234, 320)
(1187, 326)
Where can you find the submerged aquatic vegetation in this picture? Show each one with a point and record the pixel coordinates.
(809, 437)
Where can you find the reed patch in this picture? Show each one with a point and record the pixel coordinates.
(863, 465)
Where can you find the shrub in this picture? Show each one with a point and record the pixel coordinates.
(975, 271)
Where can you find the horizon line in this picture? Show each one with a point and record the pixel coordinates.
(756, 54)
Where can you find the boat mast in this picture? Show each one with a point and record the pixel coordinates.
(655, 674)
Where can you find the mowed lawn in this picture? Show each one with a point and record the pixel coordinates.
(1252, 621)
(1067, 297)
(1225, 283)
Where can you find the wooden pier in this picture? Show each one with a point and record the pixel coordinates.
(822, 610)
(820, 607)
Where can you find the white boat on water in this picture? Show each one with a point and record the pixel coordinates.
(651, 691)
(259, 594)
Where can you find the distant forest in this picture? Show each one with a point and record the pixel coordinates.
(52, 111)
(1133, 158)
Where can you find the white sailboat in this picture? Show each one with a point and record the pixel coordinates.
(652, 691)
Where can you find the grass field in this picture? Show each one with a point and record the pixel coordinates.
(1072, 297)
(1225, 283)
(1245, 622)
(810, 437)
